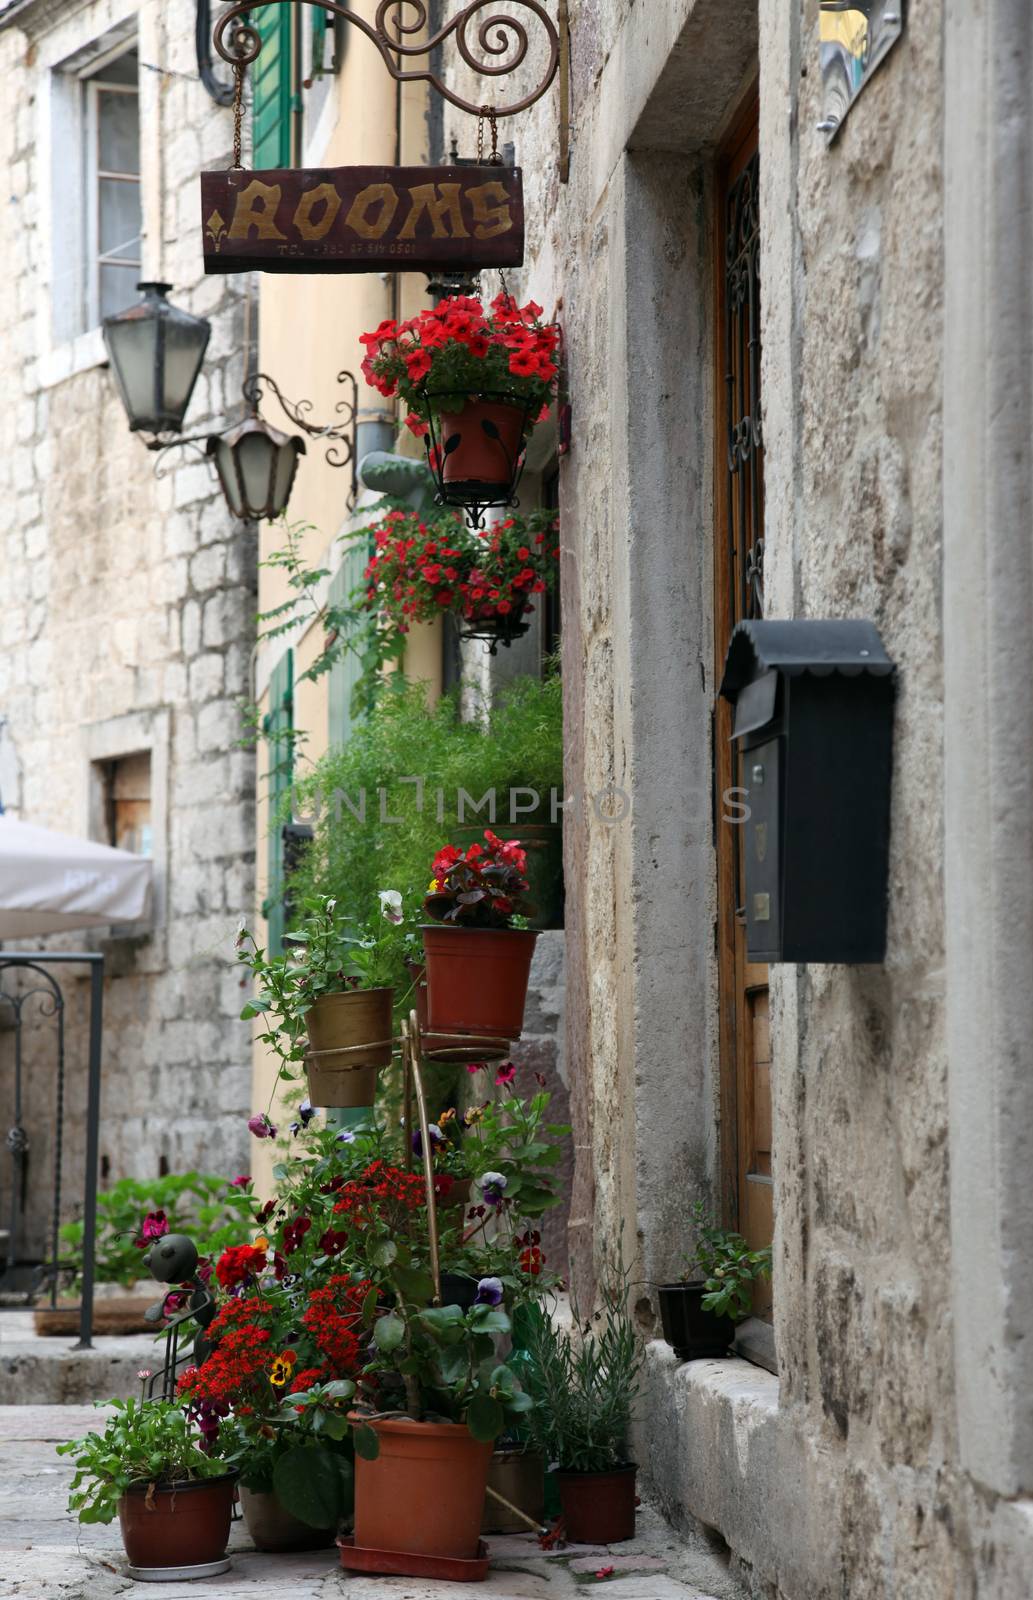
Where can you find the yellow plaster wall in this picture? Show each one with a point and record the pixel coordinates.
(309, 327)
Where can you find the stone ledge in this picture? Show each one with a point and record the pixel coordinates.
(718, 1450)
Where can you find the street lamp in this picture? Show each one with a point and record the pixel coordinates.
(256, 464)
(156, 352)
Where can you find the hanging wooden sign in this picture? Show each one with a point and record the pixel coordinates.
(362, 219)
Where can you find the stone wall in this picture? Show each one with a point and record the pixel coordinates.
(128, 611)
(843, 1476)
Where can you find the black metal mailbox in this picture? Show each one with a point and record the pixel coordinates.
(814, 722)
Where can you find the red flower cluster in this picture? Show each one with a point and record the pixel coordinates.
(482, 886)
(239, 1359)
(333, 1317)
(380, 1185)
(419, 569)
(307, 1378)
(459, 347)
(239, 1263)
(416, 571)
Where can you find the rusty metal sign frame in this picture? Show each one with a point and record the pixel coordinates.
(501, 35)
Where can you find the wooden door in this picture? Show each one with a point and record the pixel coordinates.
(747, 1194)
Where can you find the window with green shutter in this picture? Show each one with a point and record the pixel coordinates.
(272, 87)
(346, 670)
(278, 727)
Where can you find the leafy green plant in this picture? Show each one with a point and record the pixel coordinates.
(212, 1210)
(143, 1442)
(727, 1265)
(385, 802)
(584, 1381)
(301, 1452)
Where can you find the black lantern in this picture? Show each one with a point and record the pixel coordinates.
(256, 466)
(156, 352)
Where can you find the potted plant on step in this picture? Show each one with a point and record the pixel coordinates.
(173, 1498)
(700, 1311)
(583, 1382)
(478, 959)
(476, 381)
(433, 1393)
(327, 999)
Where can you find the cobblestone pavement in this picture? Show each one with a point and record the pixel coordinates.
(45, 1555)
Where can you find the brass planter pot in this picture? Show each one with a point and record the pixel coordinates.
(350, 1039)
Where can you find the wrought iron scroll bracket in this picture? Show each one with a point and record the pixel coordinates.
(503, 35)
(221, 93)
(341, 450)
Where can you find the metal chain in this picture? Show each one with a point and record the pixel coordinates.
(238, 111)
(494, 160)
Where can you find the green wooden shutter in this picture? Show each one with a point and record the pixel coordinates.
(347, 669)
(272, 87)
(279, 723)
(318, 40)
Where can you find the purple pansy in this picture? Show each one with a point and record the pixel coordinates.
(489, 1292)
(493, 1186)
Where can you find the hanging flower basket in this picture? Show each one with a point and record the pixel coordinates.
(476, 452)
(476, 382)
(420, 570)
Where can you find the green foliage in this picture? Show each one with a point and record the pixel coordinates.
(207, 1207)
(147, 1441)
(314, 1482)
(727, 1265)
(353, 792)
(583, 1382)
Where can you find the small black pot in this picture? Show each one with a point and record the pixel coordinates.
(692, 1332)
(458, 1290)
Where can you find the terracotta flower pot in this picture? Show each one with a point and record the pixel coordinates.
(598, 1507)
(692, 1332)
(444, 1047)
(488, 438)
(434, 1472)
(185, 1526)
(355, 1030)
(273, 1528)
(477, 979)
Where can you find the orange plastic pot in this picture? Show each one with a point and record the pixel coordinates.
(482, 443)
(477, 979)
(184, 1526)
(598, 1507)
(424, 1494)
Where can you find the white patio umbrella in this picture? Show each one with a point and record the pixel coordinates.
(52, 883)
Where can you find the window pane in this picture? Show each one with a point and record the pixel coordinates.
(119, 219)
(118, 132)
(117, 288)
(125, 69)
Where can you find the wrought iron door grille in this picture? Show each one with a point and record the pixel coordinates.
(741, 357)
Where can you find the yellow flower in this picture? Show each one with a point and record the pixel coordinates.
(280, 1371)
(261, 1243)
(446, 1117)
(433, 886)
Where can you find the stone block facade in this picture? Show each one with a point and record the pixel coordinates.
(128, 605)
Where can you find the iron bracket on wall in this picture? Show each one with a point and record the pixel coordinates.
(221, 93)
(341, 450)
(497, 36)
